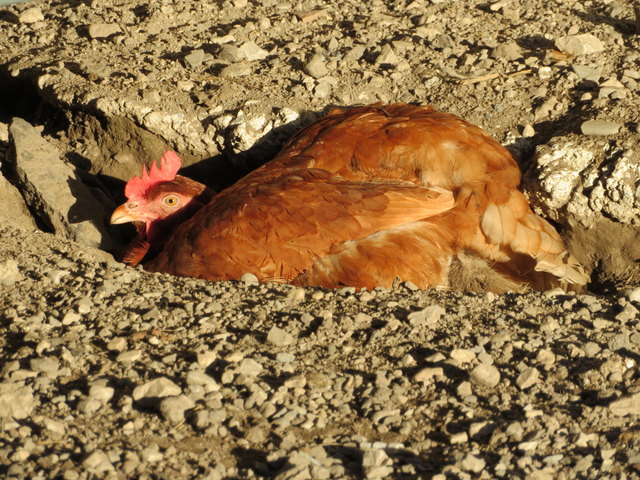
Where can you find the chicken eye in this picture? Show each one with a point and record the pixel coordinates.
(170, 200)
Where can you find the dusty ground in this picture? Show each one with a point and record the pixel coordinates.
(266, 381)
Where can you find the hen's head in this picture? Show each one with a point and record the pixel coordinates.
(160, 199)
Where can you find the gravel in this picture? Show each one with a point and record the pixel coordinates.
(113, 372)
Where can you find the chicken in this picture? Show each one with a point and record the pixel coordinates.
(366, 196)
(157, 202)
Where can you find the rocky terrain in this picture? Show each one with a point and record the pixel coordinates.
(108, 371)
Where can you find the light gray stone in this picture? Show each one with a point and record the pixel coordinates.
(485, 375)
(150, 392)
(173, 408)
(14, 211)
(54, 189)
(582, 44)
(103, 30)
(9, 272)
(16, 401)
(599, 127)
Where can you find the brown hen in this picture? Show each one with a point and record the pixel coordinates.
(369, 195)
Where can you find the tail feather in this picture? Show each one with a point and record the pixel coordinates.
(517, 231)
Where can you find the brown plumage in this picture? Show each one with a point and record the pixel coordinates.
(368, 195)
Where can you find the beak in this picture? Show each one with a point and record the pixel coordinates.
(123, 215)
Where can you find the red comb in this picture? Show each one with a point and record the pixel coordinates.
(139, 186)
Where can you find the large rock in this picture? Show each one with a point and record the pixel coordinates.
(54, 191)
(14, 211)
(593, 193)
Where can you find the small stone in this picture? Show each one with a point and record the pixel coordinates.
(355, 53)
(462, 355)
(527, 378)
(16, 401)
(485, 375)
(509, 51)
(426, 317)
(252, 51)
(101, 393)
(376, 464)
(84, 305)
(528, 131)
(173, 408)
(626, 405)
(206, 358)
(231, 54)
(198, 377)
(587, 73)
(459, 437)
(427, 374)
(285, 357)
(116, 344)
(582, 44)
(464, 389)
(442, 41)
(599, 127)
(249, 279)
(9, 273)
(130, 356)
(249, 367)
(44, 364)
(195, 58)
(98, 462)
(103, 30)
(55, 428)
(152, 454)
(88, 406)
(471, 463)
(279, 337)
(149, 392)
(316, 67)
(235, 70)
(387, 56)
(31, 15)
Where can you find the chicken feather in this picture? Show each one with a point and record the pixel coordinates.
(370, 194)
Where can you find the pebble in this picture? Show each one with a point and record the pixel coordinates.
(173, 408)
(31, 15)
(130, 356)
(231, 53)
(249, 279)
(626, 405)
(194, 58)
(235, 70)
(158, 388)
(9, 273)
(16, 401)
(103, 30)
(599, 127)
(527, 378)
(376, 464)
(279, 337)
(387, 56)
(101, 393)
(585, 72)
(485, 375)
(528, 131)
(152, 454)
(316, 66)
(426, 317)
(44, 364)
(249, 367)
(98, 462)
(252, 51)
(472, 463)
(582, 44)
(427, 374)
